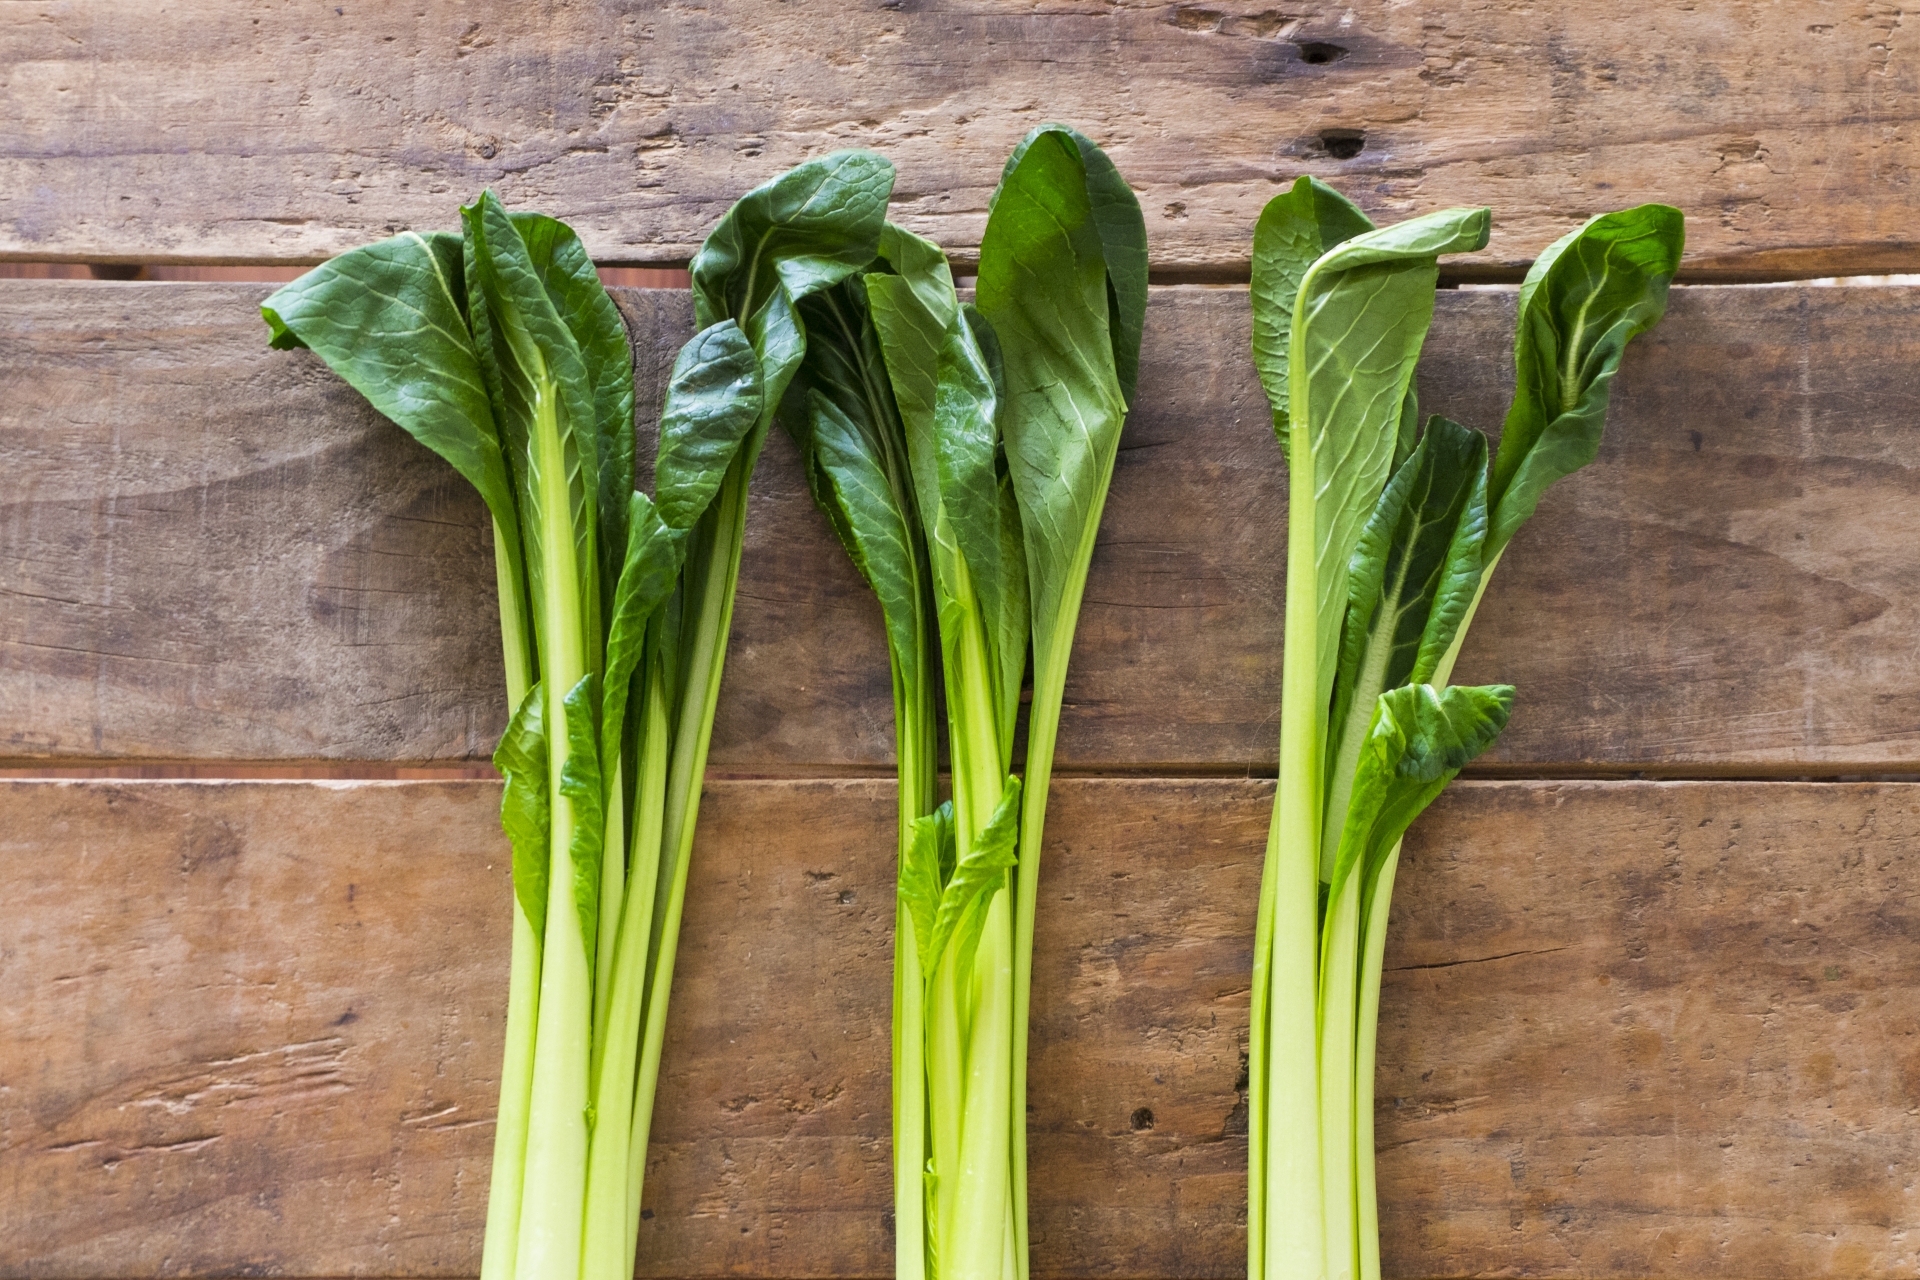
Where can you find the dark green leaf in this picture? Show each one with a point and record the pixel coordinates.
(390, 319)
(1295, 228)
(573, 284)
(654, 554)
(805, 231)
(1585, 299)
(525, 815)
(1410, 580)
(580, 782)
(715, 398)
(1043, 288)
(542, 392)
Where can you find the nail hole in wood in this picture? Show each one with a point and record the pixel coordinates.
(1343, 144)
(1141, 1119)
(1319, 53)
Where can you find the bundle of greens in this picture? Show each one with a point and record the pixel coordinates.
(962, 454)
(500, 350)
(1392, 535)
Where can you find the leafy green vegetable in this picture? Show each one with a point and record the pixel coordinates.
(1392, 536)
(500, 350)
(962, 457)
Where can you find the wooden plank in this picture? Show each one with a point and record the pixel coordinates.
(1629, 1029)
(210, 550)
(206, 132)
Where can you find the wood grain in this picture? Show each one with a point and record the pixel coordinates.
(1629, 1029)
(212, 551)
(220, 132)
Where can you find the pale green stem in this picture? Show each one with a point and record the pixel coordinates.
(613, 894)
(500, 1242)
(702, 664)
(1373, 957)
(978, 1247)
(917, 755)
(1339, 994)
(609, 1248)
(556, 1164)
(1293, 1229)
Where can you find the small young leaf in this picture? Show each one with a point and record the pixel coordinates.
(521, 759)
(1584, 300)
(1421, 737)
(979, 874)
(923, 876)
(714, 400)
(580, 782)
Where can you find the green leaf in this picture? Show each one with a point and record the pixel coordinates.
(525, 815)
(391, 320)
(715, 398)
(1411, 578)
(945, 394)
(1295, 228)
(865, 505)
(1359, 322)
(540, 384)
(1584, 300)
(580, 782)
(573, 284)
(923, 875)
(1043, 288)
(1420, 738)
(807, 230)
(979, 873)
(651, 570)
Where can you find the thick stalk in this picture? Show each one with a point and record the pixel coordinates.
(501, 1240)
(701, 664)
(1053, 645)
(556, 1163)
(608, 1248)
(1339, 994)
(1293, 1227)
(1373, 956)
(915, 748)
(974, 1083)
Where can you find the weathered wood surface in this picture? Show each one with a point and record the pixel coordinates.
(1630, 1029)
(209, 550)
(207, 131)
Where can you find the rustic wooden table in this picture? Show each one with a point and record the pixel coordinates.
(1653, 1007)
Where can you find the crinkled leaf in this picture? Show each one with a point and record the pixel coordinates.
(1359, 322)
(923, 875)
(979, 873)
(580, 782)
(1409, 582)
(1419, 739)
(1295, 228)
(715, 398)
(805, 231)
(1583, 301)
(525, 815)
